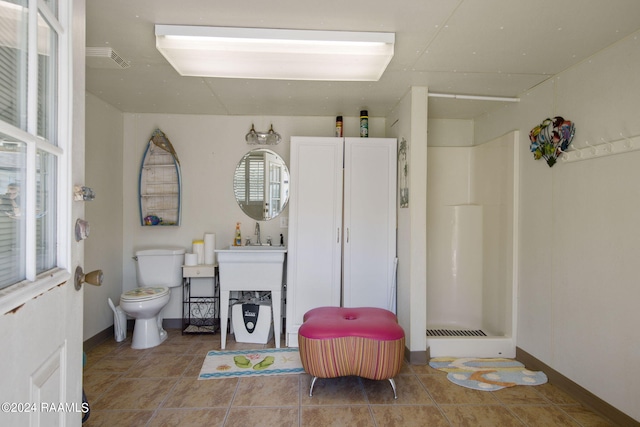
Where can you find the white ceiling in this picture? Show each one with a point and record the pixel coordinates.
(473, 47)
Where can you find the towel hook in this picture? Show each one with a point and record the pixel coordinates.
(627, 143)
(594, 150)
(608, 146)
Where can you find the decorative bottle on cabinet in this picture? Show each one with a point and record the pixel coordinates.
(364, 124)
(342, 239)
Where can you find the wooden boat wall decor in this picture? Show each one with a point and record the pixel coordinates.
(160, 183)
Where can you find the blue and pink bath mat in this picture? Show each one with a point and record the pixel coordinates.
(487, 374)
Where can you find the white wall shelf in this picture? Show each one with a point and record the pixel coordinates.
(159, 186)
(623, 145)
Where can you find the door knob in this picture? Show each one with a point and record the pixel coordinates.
(93, 278)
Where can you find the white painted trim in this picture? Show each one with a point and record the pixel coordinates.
(32, 72)
(515, 259)
(21, 135)
(64, 184)
(50, 17)
(16, 295)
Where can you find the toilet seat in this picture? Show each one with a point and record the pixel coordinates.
(144, 294)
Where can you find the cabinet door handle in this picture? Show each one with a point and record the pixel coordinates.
(338, 241)
(347, 235)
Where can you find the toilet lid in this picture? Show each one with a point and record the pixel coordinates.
(144, 294)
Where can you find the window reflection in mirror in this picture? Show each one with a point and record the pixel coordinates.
(261, 184)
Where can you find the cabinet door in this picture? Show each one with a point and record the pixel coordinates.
(315, 227)
(369, 223)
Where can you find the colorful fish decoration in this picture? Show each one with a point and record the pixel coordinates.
(550, 138)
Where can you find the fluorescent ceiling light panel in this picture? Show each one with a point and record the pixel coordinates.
(260, 53)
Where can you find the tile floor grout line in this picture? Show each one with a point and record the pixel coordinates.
(426, 389)
(107, 389)
(230, 404)
(168, 393)
(508, 409)
(569, 415)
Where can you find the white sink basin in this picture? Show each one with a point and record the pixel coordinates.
(250, 254)
(251, 268)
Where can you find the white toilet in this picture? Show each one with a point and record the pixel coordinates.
(158, 270)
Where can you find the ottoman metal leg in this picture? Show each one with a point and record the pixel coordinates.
(313, 382)
(393, 385)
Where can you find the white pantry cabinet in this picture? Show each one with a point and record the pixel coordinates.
(342, 225)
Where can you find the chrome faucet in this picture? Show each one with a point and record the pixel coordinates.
(258, 242)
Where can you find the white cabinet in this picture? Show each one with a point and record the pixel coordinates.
(342, 225)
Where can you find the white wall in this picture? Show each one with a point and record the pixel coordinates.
(579, 229)
(449, 300)
(103, 248)
(492, 187)
(450, 133)
(409, 121)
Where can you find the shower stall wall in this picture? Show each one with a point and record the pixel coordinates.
(457, 280)
(471, 249)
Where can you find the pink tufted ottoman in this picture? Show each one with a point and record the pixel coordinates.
(366, 342)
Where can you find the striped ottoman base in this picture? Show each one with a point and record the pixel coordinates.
(337, 342)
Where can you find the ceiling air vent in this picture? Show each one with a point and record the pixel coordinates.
(105, 57)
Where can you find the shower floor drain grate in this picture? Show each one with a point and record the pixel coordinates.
(455, 333)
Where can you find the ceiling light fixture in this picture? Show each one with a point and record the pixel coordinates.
(261, 53)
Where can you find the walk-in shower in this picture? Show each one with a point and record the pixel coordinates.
(471, 249)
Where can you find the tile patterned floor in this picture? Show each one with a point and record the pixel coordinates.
(159, 387)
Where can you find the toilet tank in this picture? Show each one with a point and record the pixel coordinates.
(160, 266)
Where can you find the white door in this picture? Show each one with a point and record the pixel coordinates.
(41, 317)
(41, 357)
(369, 222)
(315, 228)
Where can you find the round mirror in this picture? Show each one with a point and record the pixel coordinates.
(261, 184)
